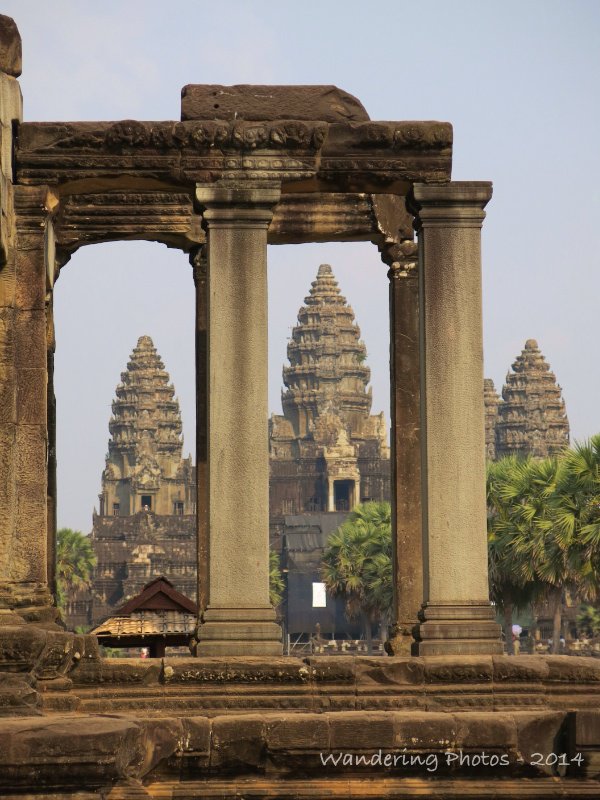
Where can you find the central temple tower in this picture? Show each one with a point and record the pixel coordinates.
(328, 452)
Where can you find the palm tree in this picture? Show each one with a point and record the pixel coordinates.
(544, 529)
(511, 589)
(357, 565)
(74, 562)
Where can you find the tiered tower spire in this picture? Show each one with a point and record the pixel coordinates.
(491, 402)
(327, 360)
(144, 469)
(532, 419)
(146, 416)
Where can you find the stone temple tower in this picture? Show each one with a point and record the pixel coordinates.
(491, 401)
(144, 469)
(146, 522)
(328, 452)
(532, 418)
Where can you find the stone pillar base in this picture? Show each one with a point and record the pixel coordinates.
(28, 603)
(239, 632)
(458, 629)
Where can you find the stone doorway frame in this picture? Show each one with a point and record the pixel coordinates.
(305, 165)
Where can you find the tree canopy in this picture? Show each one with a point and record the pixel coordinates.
(357, 564)
(544, 528)
(75, 560)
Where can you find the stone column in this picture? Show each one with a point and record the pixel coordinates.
(457, 616)
(330, 495)
(405, 444)
(198, 259)
(24, 578)
(51, 505)
(239, 619)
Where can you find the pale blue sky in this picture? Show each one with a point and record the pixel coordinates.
(518, 80)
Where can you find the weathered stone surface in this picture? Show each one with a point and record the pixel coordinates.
(196, 740)
(161, 738)
(351, 730)
(453, 669)
(31, 280)
(540, 733)
(213, 101)
(117, 671)
(239, 742)
(8, 397)
(354, 157)
(10, 47)
(523, 668)
(93, 750)
(20, 648)
(298, 732)
(17, 695)
(573, 670)
(481, 731)
(417, 731)
(583, 743)
(389, 673)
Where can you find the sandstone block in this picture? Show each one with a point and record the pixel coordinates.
(274, 670)
(8, 395)
(329, 669)
(17, 695)
(20, 647)
(193, 670)
(565, 668)
(238, 742)
(428, 731)
(453, 669)
(486, 731)
(325, 103)
(196, 735)
(31, 279)
(361, 730)
(30, 339)
(31, 396)
(388, 672)
(298, 732)
(162, 737)
(540, 732)
(10, 47)
(8, 285)
(523, 668)
(31, 452)
(7, 337)
(11, 110)
(587, 729)
(92, 749)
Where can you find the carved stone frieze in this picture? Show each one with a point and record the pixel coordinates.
(158, 216)
(208, 150)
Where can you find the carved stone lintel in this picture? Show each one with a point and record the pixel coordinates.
(348, 156)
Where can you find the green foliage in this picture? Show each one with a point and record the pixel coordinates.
(276, 584)
(588, 620)
(357, 564)
(74, 562)
(544, 527)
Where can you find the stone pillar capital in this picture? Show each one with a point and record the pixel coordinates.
(199, 263)
(454, 204)
(237, 206)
